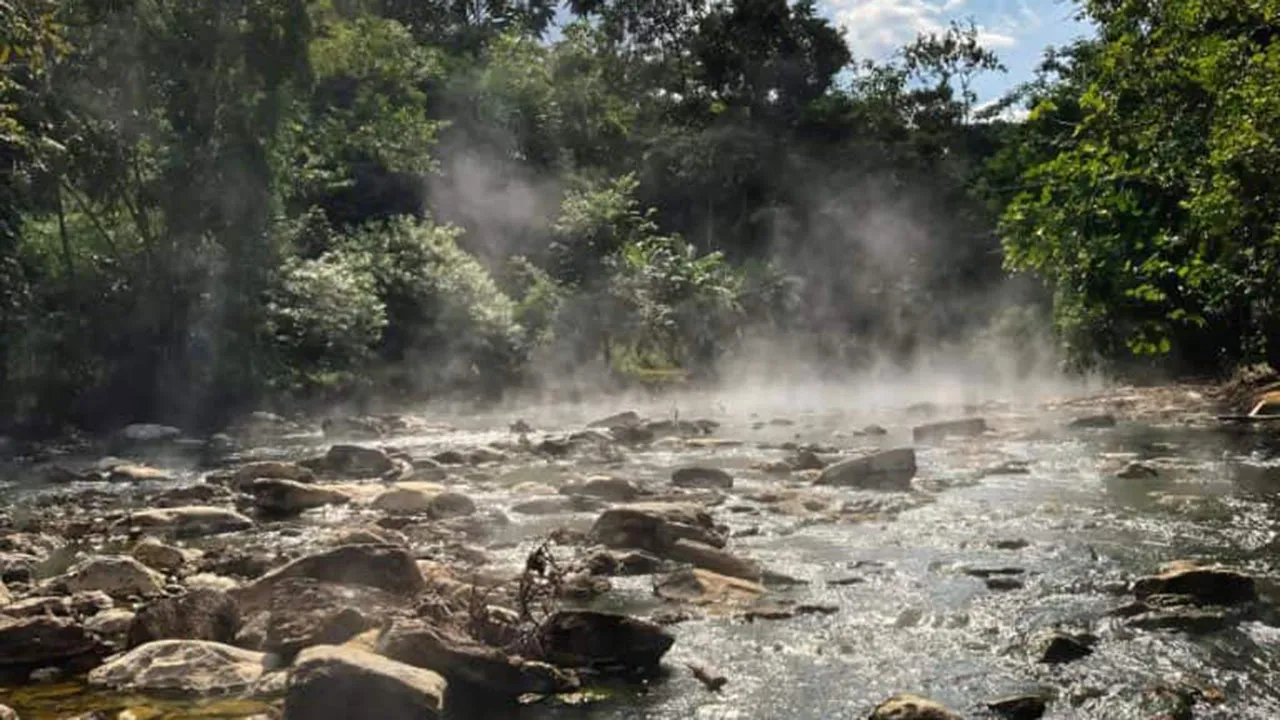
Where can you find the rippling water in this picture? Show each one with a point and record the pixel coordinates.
(917, 623)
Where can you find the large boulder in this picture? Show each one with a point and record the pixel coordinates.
(338, 683)
(465, 663)
(357, 461)
(655, 526)
(887, 470)
(584, 638)
(181, 669)
(198, 615)
(713, 559)
(42, 640)
(188, 521)
(119, 576)
(306, 612)
(1205, 585)
(911, 707)
(289, 497)
(385, 567)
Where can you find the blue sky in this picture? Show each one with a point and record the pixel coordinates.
(1018, 30)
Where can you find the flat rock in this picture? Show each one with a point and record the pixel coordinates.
(134, 473)
(290, 497)
(934, 432)
(703, 587)
(465, 663)
(42, 640)
(385, 567)
(1208, 585)
(911, 707)
(604, 488)
(159, 556)
(598, 640)
(887, 470)
(705, 478)
(188, 521)
(1104, 420)
(119, 576)
(197, 615)
(338, 683)
(655, 526)
(713, 559)
(181, 669)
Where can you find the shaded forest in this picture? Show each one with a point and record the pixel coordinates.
(208, 206)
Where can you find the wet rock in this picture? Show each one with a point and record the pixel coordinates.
(407, 499)
(583, 638)
(911, 707)
(210, 581)
(133, 473)
(198, 615)
(713, 559)
(181, 669)
(43, 640)
(450, 457)
(483, 455)
(448, 505)
(159, 556)
(710, 679)
(1208, 585)
(554, 505)
(290, 497)
(36, 606)
(1011, 544)
(146, 434)
(202, 494)
(702, 477)
(305, 612)
(874, 430)
(654, 526)
(806, 459)
(1187, 617)
(385, 567)
(934, 432)
(272, 469)
(604, 488)
(628, 418)
(189, 521)
(520, 427)
(703, 587)
(111, 625)
(1105, 420)
(623, 563)
(116, 575)
(583, 587)
(1020, 707)
(357, 461)
(1057, 647)
(888, 470)
(1003, 583)
(373, 535)
(1137, 471)
(465, 663)
(339, 683)
(1009, 467)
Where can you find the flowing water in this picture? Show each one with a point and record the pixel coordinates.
(907, 618)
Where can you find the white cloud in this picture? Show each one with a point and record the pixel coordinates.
(875, 28)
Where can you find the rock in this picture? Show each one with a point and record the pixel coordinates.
(713, 559)
(386, 567)
(521, 427)
(181, 669)
(337, 683)
(711, 680)
(1137, 471)
(1020, 707)
(703, 587)
(159, 556)
(1105, 420)
(305, 612)
(447, 505)
(6, 712)
(406, 500)
(654, 526)
(628, 418)
(202, 494)
(1003, 583)
(189, 521)
(290, 497)
(888, 470)
(623, 563)
(119, 576)
(1182, 613)
(702, 477)
(1009, 467)
(6, 597)
(805, 459)
(911, 707)
(210, 581)
(37, 606)
(357, 461)
(111, 625)
(373, 535)
(1209, 586)
(874, 430)
(557, 504)
(933, 432)
(607, 489)
(597, 640)
(147, 434)
(43, 640)
(198, 615)
(1057, 647)
(273, 469)
(133, 473)
(465, 663)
